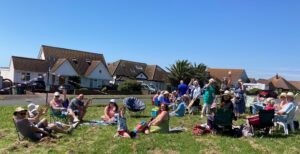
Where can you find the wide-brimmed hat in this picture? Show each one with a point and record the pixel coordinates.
(269, 99)
(282, 95)
(291, 94)
(19, 109)
(166, 93)
(226, 93)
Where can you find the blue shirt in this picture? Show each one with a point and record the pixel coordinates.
(182, 88)
(288, 108)
(181, 110)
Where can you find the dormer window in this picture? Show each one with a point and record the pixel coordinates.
(74, 60)
(88, 61)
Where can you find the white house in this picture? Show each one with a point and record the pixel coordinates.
(63, 65)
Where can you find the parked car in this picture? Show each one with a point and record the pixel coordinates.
(151, 88)
(70, 88)
(36, 86)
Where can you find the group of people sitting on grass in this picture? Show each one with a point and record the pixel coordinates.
(29, 123)
(185, 100)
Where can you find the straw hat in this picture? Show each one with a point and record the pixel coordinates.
(166, 93)
(282, 95)
(19, 109)
(290, 94)
(227, 93)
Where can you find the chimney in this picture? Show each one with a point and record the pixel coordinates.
(277, 76)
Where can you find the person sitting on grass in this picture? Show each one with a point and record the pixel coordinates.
(121, 124)
(58, 109)
(180, 110)
(155, 98)
(31, 131)
(109, 112)
(34, 114)
(160, 124)
(78, 106)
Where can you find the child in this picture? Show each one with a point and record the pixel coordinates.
(121, 124)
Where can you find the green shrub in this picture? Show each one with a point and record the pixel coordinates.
(130, 86)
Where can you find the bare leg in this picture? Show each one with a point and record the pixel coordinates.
(53, 127)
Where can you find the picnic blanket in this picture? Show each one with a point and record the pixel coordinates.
(97, 123)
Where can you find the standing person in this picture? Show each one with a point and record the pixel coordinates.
(240, 99)
(191, 88)
(195, 102)
(224, 85)
(208, 97)
(182, 88)
(77, 105)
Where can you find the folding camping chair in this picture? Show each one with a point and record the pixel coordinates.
(223, 121)
(20, 136)
(266, 121)
(134, 105)
(55, 116)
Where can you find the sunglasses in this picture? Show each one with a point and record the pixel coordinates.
(22, 113)
(57, 96)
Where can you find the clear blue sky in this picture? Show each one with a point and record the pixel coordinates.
(261, 36)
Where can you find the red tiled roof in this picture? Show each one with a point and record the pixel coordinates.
(295, 84)
(280, 82)
(220, 73)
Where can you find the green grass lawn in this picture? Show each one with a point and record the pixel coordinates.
(99, 139)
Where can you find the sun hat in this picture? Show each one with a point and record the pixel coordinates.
(291, 94)
(19, 109)
(226, 93)
(112, 101)
(282, 95)
(56, 93)
(166, 92)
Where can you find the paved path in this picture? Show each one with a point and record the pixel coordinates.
(41, 99)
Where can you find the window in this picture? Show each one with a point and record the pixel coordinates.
(25, 76)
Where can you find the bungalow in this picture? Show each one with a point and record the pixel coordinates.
(63, 64)
(123, 70)
(233, 74)
(279, 84)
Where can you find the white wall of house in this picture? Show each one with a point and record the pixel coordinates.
(8, 73)
(93, 83)
(100, 72)
(5, 73)
(18, 76)
(65, 69)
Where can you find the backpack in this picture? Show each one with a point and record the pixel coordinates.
(199, 130)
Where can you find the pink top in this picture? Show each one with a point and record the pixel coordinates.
(111, 111)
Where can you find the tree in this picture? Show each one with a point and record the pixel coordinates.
(184, 70)
(181, 70)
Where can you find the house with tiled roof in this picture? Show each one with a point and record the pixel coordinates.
(296, 84)
(63, 63)
(232, 74)
(123, 70)
(279, 83)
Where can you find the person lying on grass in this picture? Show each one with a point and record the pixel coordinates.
(31, 131)
(78, 106)
(58, 109)
(109, 112)
(160, 124)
